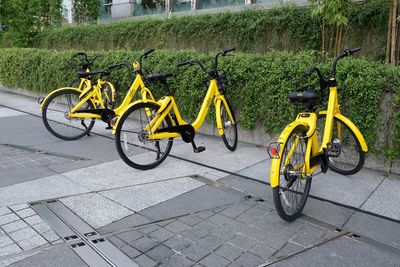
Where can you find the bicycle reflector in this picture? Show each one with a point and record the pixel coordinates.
(273, 150)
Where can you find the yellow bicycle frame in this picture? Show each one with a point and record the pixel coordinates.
(309, 120)
(168, 104)
(93, 93)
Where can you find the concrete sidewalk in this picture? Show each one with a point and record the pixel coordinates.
(205, 209)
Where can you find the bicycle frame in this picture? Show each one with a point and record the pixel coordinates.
(168, 103)
(314, 150)
(92, 93)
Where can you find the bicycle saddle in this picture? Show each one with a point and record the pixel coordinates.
(153, 77)
(304, 97)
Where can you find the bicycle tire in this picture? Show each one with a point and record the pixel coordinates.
(58, 121)
(137, 116)
(351, 155)
(233, 128)
(288, 206)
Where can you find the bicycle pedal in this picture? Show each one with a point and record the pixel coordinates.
(108, 128)
(199, 149)
(333, 149)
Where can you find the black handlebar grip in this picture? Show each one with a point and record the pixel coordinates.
(309, 72)
(227, 50)
(354, 50)
(148, 52)
(184, 63)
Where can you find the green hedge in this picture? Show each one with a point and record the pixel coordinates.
(282, 28)
(258, 84)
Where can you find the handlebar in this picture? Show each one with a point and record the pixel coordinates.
(145, 54)
(117, 66)
(214, 71)
(88, 61)
(346, 52)
(148, 52)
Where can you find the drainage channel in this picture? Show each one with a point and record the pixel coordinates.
(89, 245)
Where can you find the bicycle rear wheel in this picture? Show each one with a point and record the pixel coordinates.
(291, 194)
(131, 138)
(56, 121)
(230, 136)
(351, 158)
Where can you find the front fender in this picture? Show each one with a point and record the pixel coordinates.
(57, 90)
(128, 107)
(276, 162)
(353, 128)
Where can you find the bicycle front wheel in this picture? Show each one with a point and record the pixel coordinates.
(291, 194)
(351, 157)
(132, 142)
(230, 135)
(56, 121)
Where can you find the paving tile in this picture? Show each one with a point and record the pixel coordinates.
(178, 243)
(26, 212)
(229, 252)
(148, 229)
(205, 214)
(5, 240)
(145, 261)
(160, 253)
(131, 221)
(50, 236)
(262, 251)
(213, 260)
(195, 252)
(165, 222)
(161, 235)
(130, 251)
(32, 242)
(309, 235)
(7, 218)
(176, 227)
(32, 220)
(342, 252)
(178, 261)
(130, 236)
(288, 248)
(242, 241)
(223, 233)
(191, 220)
(19, 207)
(42, 227)
(220, 219)
(206, 226)
(14, 226)
(116, 241)
(10, 249)
(143, 244)
(140, 197)
(23, 234)
(193, 234)
(4, 210)
(209, 242)
(235, 210)
(95, 209)
(249, 259)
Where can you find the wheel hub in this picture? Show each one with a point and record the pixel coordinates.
(143, 136)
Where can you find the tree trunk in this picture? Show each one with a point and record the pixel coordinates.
(330, 50)
(337, 42)
(389, 33)
(393, 34)
(323, 35)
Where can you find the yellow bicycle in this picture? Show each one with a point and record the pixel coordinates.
(69, 113)
(144, 133)
(297, 154)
